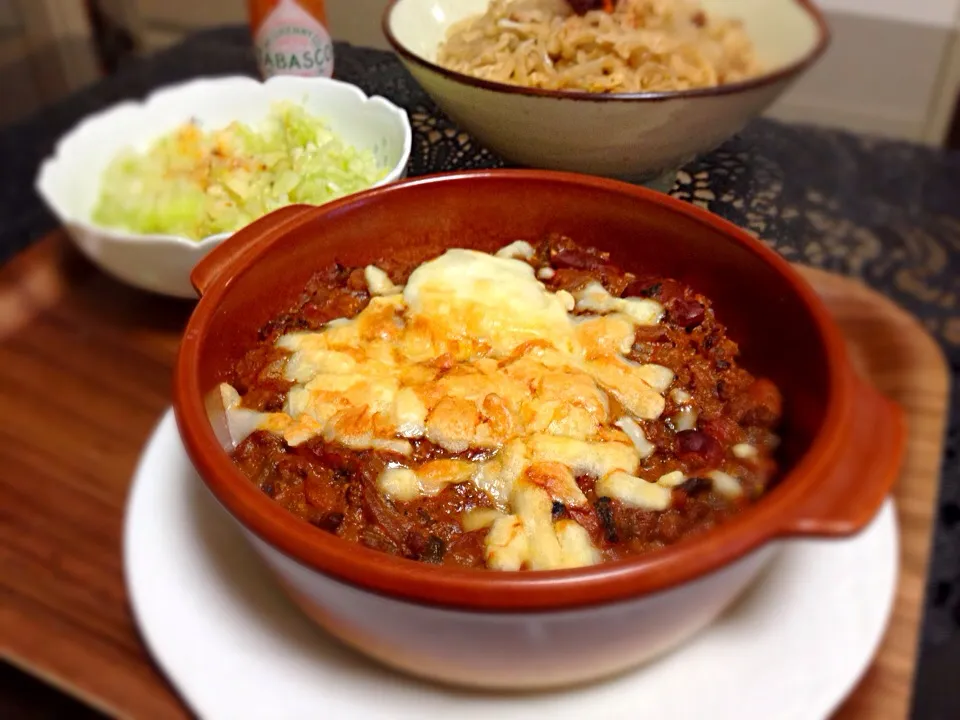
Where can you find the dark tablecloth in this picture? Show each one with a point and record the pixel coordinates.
(886, 212)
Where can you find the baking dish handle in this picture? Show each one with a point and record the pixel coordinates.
(865, 474)
(224, 259)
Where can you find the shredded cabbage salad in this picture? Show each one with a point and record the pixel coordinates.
(195, 183)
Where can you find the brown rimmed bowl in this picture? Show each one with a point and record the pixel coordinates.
(642, 137)
(841, 451)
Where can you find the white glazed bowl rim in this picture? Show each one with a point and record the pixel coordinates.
(768, 78)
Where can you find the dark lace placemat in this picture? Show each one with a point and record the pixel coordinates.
(886, 212)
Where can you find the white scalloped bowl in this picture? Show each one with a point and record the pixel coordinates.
(69, 180)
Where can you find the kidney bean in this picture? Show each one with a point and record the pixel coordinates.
(581, 7)
(686, 313)
(697, 448)
(562, 252)
(695, 486)
(670, 291)
(576, 258)
(647, 287)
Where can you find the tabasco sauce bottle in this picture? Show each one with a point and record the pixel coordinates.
(291, 37)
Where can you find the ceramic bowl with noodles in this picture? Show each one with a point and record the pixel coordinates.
(631, 89)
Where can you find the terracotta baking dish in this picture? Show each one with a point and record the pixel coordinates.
(842, 441)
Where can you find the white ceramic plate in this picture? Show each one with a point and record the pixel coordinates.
(236, 648)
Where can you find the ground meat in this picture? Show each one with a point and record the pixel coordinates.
(259, 378)
(334, 292)
(466, 550)
(696, 449)
(334, 488)
(577, 266)
(332, 302)
(759, 404)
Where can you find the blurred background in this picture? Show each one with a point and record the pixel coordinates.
(893, 69)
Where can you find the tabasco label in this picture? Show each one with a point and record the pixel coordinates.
(291, 41)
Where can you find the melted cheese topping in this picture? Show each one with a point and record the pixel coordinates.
(467, 303)
(520, 249)
(378, 282)
(595, 298)
(725, 484)
(405, 484)
(672, 479)
(633, 491)
(644, 447)
(475, 353)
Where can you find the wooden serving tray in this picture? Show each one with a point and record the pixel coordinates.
(85, 372)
